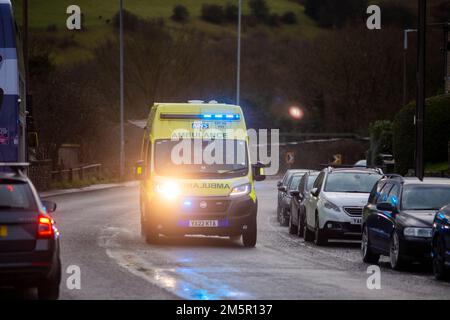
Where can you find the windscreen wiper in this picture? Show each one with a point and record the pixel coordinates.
(233, 170)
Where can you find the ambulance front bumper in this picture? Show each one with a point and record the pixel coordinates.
(221, 216)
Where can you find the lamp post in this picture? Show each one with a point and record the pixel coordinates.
(238, 71)
(421, 57)
(122, 133)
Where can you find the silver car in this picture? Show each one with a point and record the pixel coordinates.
(335, 207)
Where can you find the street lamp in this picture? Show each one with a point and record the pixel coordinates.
(238, 71)
(405, 50)
(421, 57)
(296, 112)
(122, 133)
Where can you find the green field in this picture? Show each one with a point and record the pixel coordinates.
(98, 14)
(46, 12)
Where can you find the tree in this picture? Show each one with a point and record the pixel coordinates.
(213, 13)
(231, 12)
(180, 14)
(289, 17)
(332, 13)
(259, 9)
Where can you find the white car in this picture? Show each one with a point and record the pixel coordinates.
(335, 207)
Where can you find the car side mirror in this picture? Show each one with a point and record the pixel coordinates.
(279, 184)
(139, 172)
(315, 192)
(50, 206)
(386, 206)
(258, 172)
(282, 188)
(294, 193)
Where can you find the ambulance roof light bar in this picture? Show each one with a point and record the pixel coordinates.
(207, 116)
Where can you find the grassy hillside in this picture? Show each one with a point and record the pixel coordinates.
(45, 12)
(51, 14)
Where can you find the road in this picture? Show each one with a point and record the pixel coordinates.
(101, 234)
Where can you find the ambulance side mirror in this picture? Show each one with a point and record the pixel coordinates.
(258, 172)
(140, 170)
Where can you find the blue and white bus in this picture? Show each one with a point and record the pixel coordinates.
(12, 88)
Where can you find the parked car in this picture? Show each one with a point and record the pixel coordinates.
(285, 204)
(283, 183)
(398, 219)
(298, 200)
(337, 199)
(361, 163)
(441, 244)
(29, 239)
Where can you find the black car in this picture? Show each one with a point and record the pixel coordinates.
(299, 196)
(282, 186)
(441, 244)
(29, 239)
(285, 205)
(398, 219)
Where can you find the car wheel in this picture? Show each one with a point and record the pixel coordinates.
(49, 288)
(308, 236)
(151, 233)
(439, 269)
(283, 221)
(278, 213)
(250, 235)
(395, 253)
(367, 255)
(142, 226)
(301, 226)
(320, 238)
(292, 227)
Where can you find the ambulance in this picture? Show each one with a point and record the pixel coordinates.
(195, 172)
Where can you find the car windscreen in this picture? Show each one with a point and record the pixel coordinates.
(16, 195)
(295, 182)
(354, 182)
(425, 197)
(197, 158)
(311, 179)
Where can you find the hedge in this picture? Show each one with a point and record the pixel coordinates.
(436, 133)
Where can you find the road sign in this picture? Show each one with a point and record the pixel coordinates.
(337, 159)
(290, 157)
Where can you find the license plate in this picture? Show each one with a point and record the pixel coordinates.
(3, 231)
(356, 221)
(203, 223)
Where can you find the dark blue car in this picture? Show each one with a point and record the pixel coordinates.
(441, 244)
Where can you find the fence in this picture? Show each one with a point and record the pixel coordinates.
(40, 173)
(81, 173)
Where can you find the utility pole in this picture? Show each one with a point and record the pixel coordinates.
(447, 58)
(27, 76)
(421, 60)
(25, 41)
(405, 66)
(238, 71)
(122, 131)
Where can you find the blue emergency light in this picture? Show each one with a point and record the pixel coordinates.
(222, 116)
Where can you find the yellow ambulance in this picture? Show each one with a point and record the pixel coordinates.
(196, 174)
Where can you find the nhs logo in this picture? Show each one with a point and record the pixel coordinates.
(200, 125)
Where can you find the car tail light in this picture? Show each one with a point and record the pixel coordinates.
(45, 227)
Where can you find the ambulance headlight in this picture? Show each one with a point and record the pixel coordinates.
(240, 190)
(168, 190)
